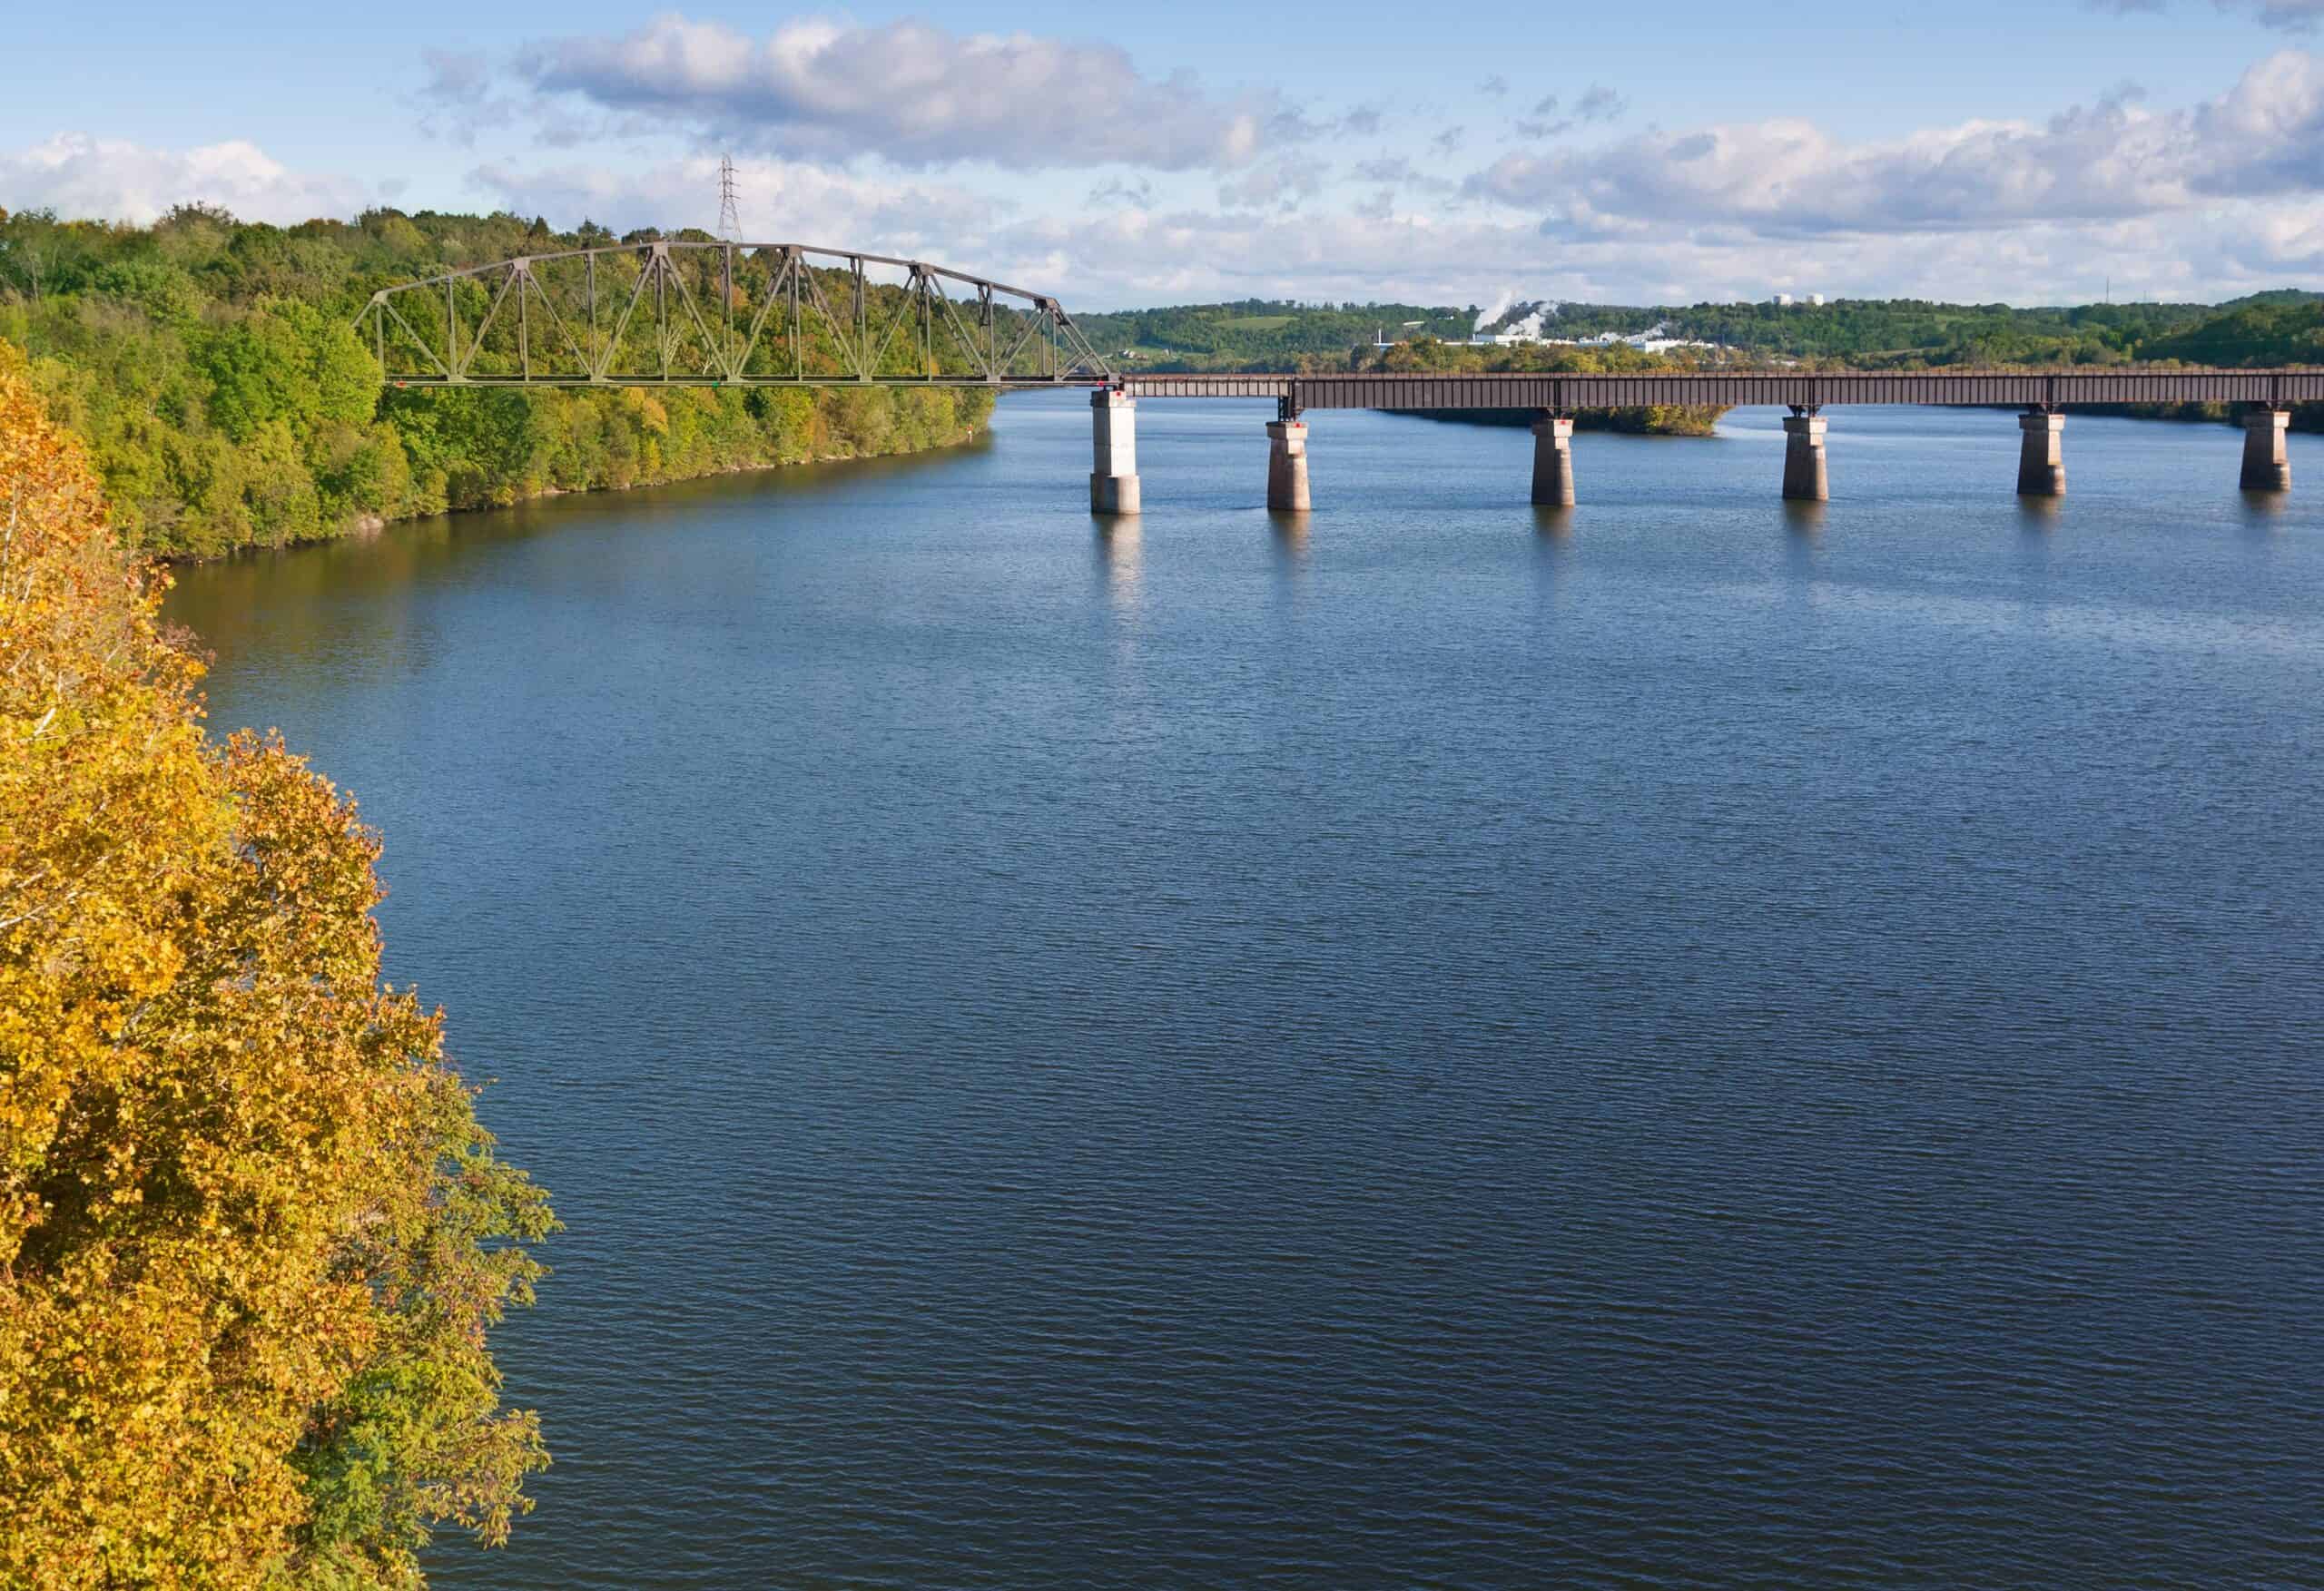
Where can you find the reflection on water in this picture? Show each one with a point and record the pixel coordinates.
(1588, 1044)
(1288, 533)
(2039, 516)
(1119, 560)
(2266, 513)
(1552, 523)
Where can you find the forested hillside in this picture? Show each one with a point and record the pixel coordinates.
(1260, 333)
(1660, 419)
(211, 367)
(2265, 332)
(1865, 332)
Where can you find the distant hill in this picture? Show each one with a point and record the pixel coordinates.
(2273, 296)
(1277, 334)
(2268, 329)
(1260, 331)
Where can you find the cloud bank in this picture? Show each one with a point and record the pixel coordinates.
(1227, 197)
(113, 179)
(914, 94)
(2115, 160)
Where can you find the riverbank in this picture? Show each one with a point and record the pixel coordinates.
(371, 524)
(2305, 416)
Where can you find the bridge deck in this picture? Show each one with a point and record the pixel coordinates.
(1519, 390)
(1977, 388)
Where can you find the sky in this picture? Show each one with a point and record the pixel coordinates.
(2039, 151)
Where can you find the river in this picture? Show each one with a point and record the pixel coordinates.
(1434, 1047)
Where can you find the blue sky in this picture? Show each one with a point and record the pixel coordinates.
(1163, 153)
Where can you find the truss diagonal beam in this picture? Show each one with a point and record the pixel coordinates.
(564, 330)
(491, 314)
(959, 328)
(758, 322)
(421, 343)
(904, 307)
(840, 333)
(613, 343)
(1032, 324)
(685, 296)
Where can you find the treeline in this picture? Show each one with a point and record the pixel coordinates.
(1429, 356)
(252, 1238)
(2275, 329)
(1906, 332)
(1253, 333)
(2269, 328)
(212, 368)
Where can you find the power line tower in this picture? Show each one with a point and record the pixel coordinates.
(730, 217)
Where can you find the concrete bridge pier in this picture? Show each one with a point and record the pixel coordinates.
(1113, 472)
(1553, 460)
(2040, 455)
(2266, 468)
(1287, 465)
(1804, 477)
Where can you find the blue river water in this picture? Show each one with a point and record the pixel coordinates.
(1434, 1045)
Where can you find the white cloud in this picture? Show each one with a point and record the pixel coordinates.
(1397, 172)
(2203, 200)
(113, 179)
(1601, 103)
(1140, 248)
(1283, 184)
(2298, 15)
(915, 95)
(2291, 16)
(2115, 160)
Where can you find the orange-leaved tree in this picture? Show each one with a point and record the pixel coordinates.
(252, 1235)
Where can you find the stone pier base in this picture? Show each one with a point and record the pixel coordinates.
(1805, 476)
(2041, 456)
(1113, 472)
(1287, 466)
(2266, 468)
(1553, 461)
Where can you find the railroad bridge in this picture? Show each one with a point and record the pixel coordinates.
(702, 313)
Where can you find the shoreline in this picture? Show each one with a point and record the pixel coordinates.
(369, 527)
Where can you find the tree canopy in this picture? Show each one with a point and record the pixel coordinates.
(211, 367)
(251, 1234)
(1870, 332)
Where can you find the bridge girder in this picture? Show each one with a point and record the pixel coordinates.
(634, 315)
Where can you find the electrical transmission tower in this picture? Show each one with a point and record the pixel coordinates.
(730, 217)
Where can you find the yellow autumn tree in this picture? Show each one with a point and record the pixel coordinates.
(252, 1235)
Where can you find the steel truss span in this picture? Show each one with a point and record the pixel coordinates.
(672, 312)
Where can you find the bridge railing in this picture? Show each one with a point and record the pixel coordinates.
(716, 313)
